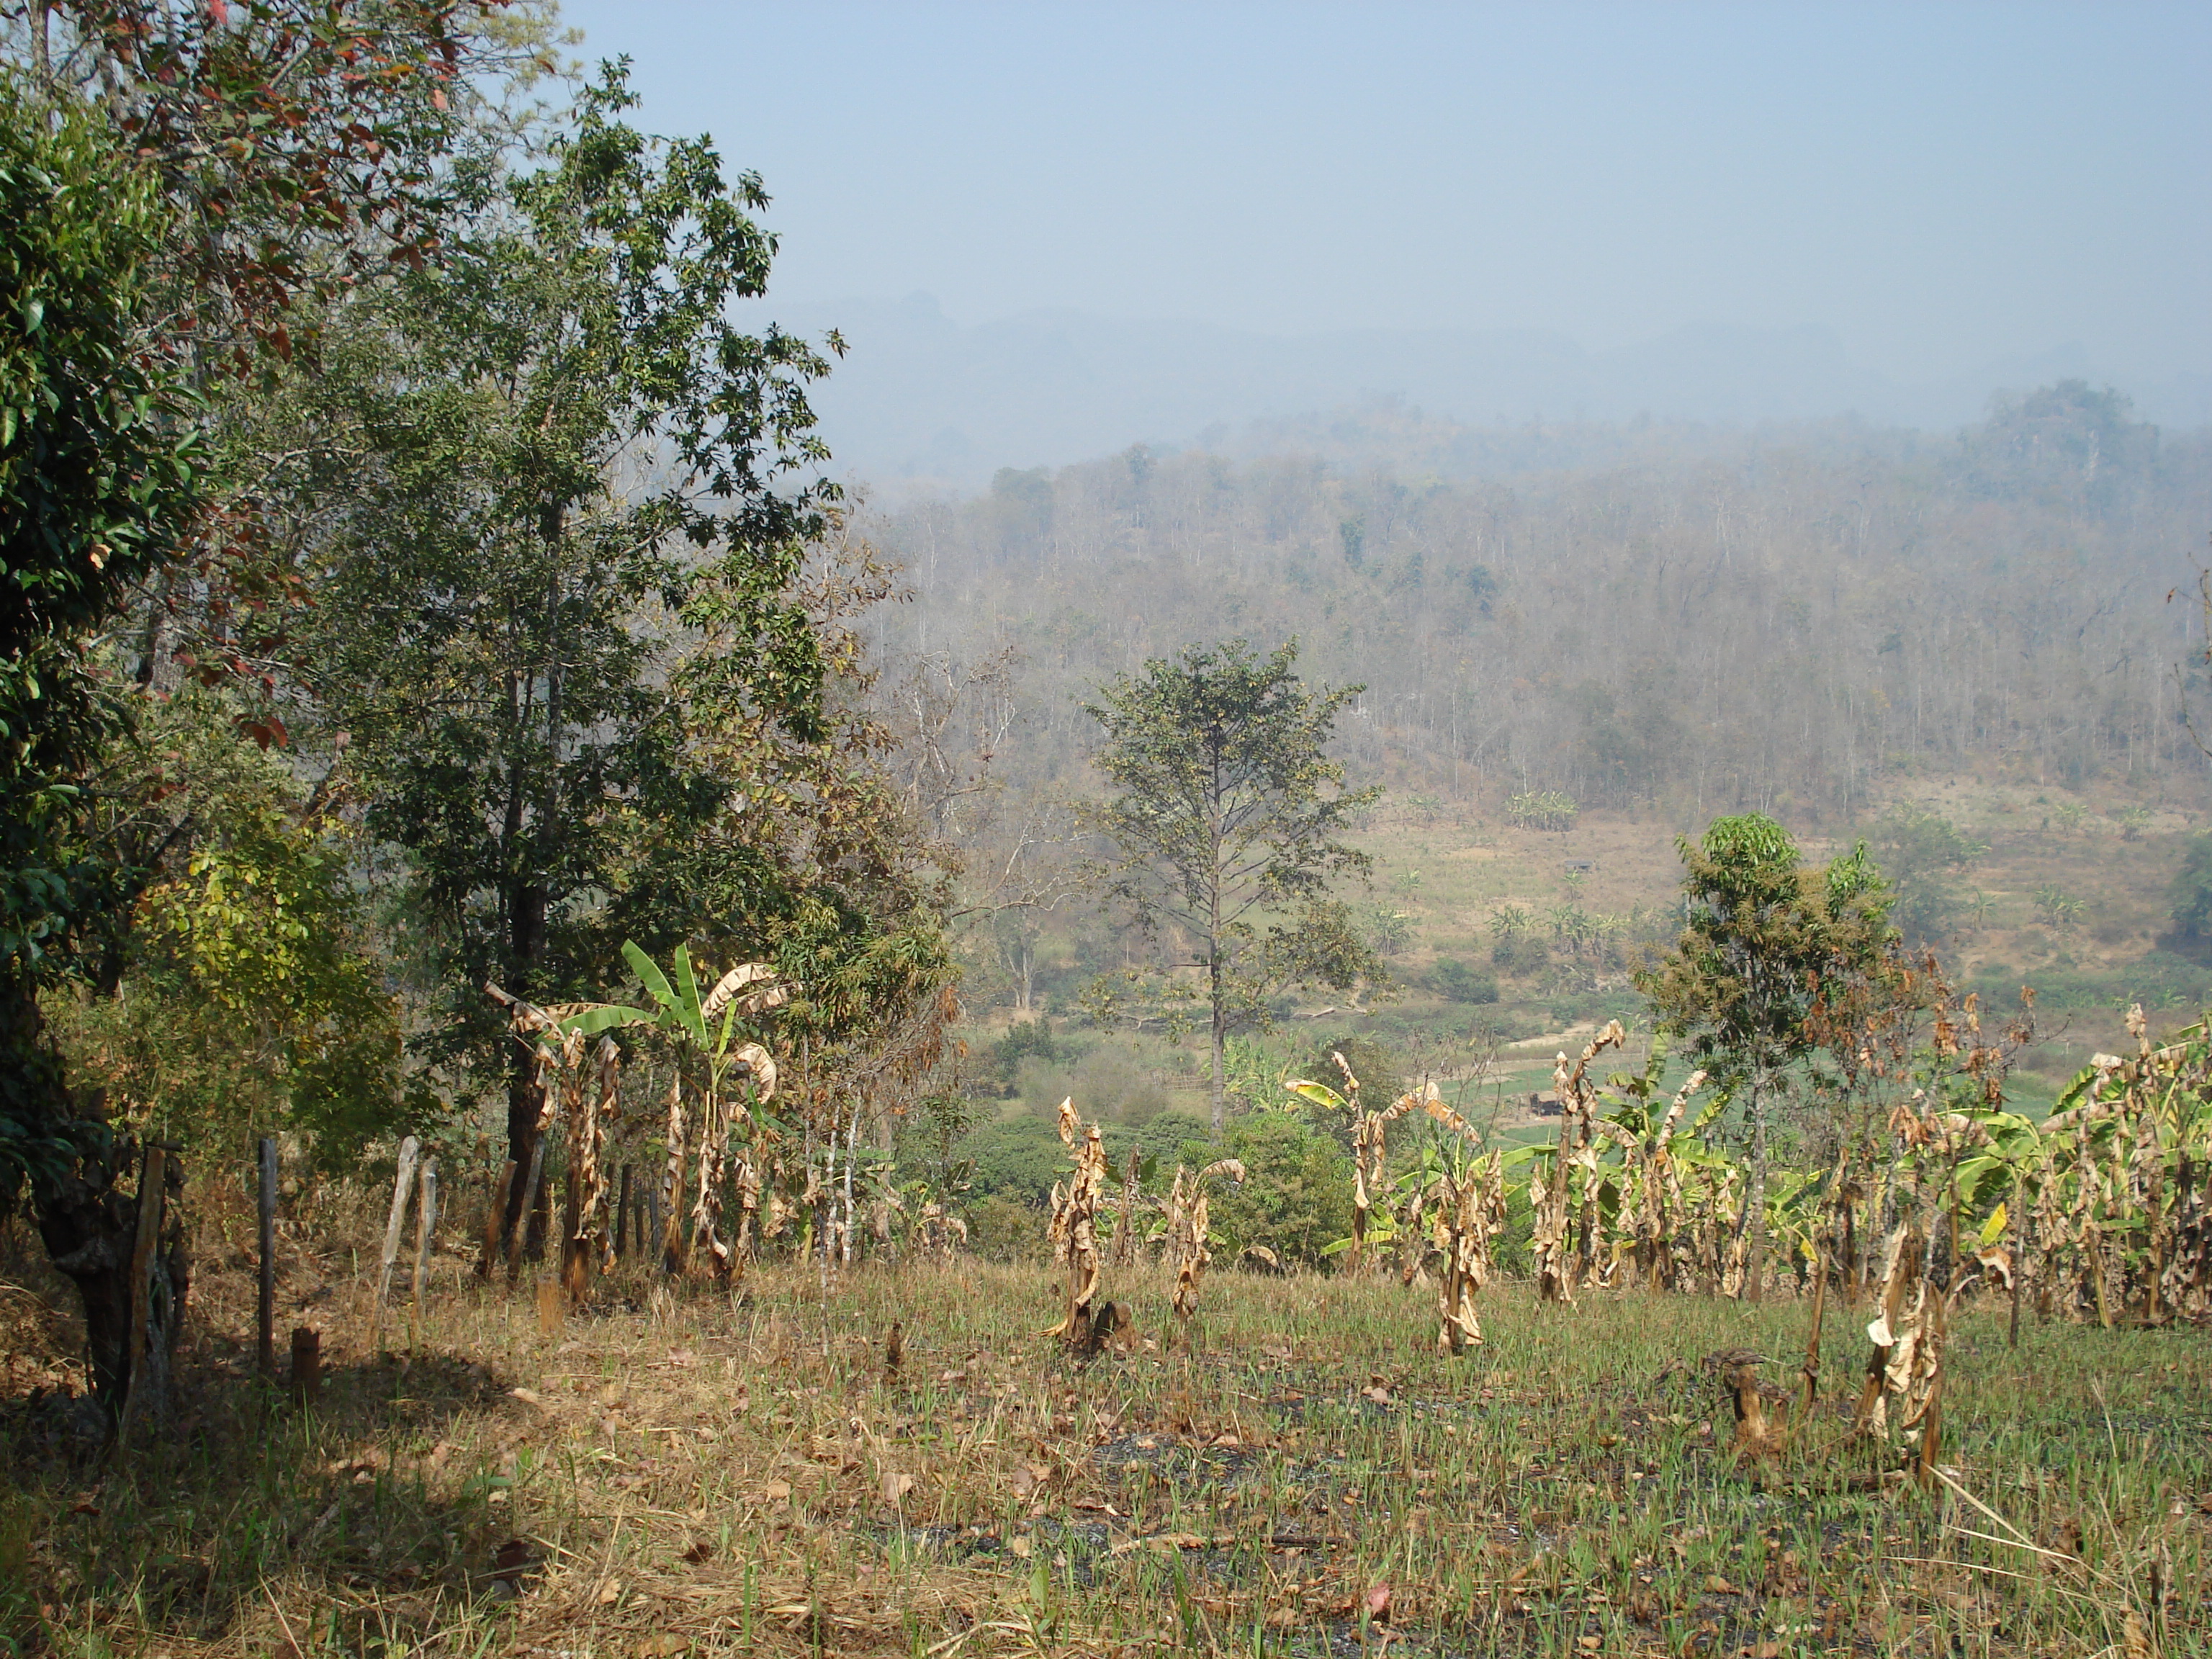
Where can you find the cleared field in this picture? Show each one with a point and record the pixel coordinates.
(688, 1470)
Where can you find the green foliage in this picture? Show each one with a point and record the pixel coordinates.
(1025, 1036)
(1456, 982)
(2058, 909)
(2189, 897)
(1918, 846)
(248, 999)
(482, 631)
(1762, 935)
(1017, 1158)
(1542, 809)
(97, 480)
(1380, 1071)
(1228, 820)
(1296, 1192)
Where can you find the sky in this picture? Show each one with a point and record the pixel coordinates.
(1942, 184)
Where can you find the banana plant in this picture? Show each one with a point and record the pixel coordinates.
(707, 1036)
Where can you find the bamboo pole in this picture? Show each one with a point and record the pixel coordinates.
(267, 1308)
(411, 1151)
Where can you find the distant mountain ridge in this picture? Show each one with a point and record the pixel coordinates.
(924, 401)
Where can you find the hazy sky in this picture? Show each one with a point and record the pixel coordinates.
(1943, 183)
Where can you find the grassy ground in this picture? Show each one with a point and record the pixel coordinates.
(1448, 868)
(733, 1471)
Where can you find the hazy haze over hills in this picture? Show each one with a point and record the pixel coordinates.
(923, 400)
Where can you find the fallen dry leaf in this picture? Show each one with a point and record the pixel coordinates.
(528, 1396)
(777, 1492)
(896, 1485)
(663, 1645)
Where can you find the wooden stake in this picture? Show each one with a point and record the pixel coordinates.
(518, 1240)
(307, 1366)
(426, 1218)
(622, 1218)
(574, 1257)
(153, 1164)
(411, 1151)
(268, 1307)
(550, 1309)
(1811, 1370)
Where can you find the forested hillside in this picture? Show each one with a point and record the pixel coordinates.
(1792, 622)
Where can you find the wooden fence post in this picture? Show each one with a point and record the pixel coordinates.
(426, 1218)
(518, 1240)
(267, 1351)
(307, 1366)
(152, 1167)
(411, 1149)
(622, 1218)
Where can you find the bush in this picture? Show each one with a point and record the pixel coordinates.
(1375, 1066)
(1297, 1193)
(1017, 1158)
(1003, 1229)
(1521, 953)
(1457, 983)
(2191, 898)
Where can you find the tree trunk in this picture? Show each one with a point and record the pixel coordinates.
(525, 1092)
(89, 1228)
(1754, 1252)
(1220, 1033)
(87, 1224)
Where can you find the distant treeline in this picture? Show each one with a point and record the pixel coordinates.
(1774, 625)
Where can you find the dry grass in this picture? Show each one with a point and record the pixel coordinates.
(731, 1470)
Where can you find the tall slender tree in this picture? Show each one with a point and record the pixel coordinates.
(1229, 821)
(569, 457)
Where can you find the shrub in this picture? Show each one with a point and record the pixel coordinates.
(1375, 1066)
(2191, 899)
(1521, 953)
(1003, 1229)
(1019, 1157)
(1296, 1192)
(1457, 983)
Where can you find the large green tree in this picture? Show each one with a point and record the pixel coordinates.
(1761, 934)
(570, 461)
(1229, 819)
